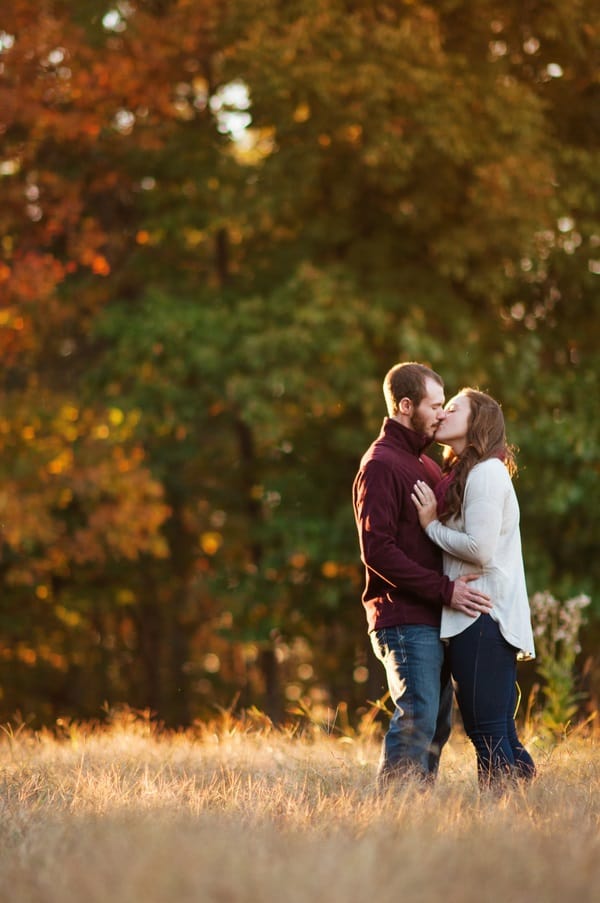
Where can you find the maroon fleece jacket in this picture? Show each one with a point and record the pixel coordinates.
(404, 580)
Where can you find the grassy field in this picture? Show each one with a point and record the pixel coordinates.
(233, 813)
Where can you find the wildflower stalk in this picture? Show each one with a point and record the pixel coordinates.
(556, 627)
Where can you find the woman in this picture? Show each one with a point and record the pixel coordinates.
(474, 517)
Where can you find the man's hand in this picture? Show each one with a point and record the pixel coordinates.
(469, 600)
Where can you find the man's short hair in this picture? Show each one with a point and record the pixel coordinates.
(407, 380)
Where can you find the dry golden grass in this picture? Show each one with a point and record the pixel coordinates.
(128, 814)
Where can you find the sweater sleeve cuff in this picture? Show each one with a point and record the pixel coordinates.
(447, 590)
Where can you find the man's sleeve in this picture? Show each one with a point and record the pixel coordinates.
(377, 511)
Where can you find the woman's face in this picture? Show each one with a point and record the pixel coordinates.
(454, 427)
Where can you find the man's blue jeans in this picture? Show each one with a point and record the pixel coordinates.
(418, 677)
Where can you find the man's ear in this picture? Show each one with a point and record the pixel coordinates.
(405, 406)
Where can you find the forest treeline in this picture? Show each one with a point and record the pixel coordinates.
(221, 222)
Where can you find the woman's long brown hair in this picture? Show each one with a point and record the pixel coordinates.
(486, 438)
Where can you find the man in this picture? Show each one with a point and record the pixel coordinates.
(405, 588)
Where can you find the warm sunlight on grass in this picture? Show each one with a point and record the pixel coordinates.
(233, 812)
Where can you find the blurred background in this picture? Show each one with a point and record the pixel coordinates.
(221, 222)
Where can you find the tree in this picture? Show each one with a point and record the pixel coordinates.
(223, 223)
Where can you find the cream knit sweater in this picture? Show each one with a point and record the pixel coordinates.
(485, 540)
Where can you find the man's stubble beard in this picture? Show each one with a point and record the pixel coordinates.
(419, 425)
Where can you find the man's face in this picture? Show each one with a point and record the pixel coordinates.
(426, 418)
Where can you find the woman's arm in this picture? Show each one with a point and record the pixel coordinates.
(483, 506)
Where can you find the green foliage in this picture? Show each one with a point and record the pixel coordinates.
(556, 629)
(416, 181)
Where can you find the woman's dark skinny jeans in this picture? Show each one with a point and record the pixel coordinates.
(484, 667)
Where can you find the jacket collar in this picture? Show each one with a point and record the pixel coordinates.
(403, 437)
